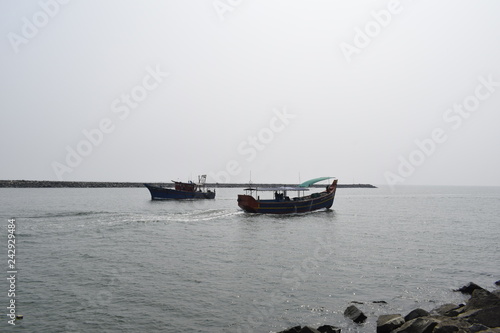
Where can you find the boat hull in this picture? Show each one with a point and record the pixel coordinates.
(251, 205)
(161, 193)
(323, 200)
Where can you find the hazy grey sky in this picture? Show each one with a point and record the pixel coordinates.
(382, 92)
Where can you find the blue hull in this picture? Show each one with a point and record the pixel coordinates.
(161, 193)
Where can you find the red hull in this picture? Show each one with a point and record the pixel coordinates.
(323, 200)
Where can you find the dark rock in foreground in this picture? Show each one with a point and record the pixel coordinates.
(417, 313)
(419, 325)
(355, 314)
(388, 323)
(328, 329)
(448, 310)
(307, 329)
(469, 288)
(481, 313)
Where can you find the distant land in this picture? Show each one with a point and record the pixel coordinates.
(59, 184)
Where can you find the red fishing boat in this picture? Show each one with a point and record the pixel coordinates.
(281, 203)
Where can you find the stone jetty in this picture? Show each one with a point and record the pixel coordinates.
(59, 184)
(481, 313)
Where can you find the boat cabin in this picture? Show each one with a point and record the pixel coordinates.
(279, 193)
(188, 187)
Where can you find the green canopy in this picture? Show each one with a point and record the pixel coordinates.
(313, 181)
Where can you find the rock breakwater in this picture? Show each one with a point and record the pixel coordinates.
(60, 184)
(481, 313)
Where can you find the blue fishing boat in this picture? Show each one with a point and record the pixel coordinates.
(283, 204)
(182, 190)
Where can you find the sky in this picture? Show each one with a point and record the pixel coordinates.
(394, 92)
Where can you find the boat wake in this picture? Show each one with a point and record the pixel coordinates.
(201, 215)
(67, 214)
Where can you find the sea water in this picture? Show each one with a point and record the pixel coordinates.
(112, 260)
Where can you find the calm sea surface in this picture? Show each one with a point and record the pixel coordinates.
(112, 260)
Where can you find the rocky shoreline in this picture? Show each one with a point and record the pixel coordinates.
(62, 184)
(481, 313)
